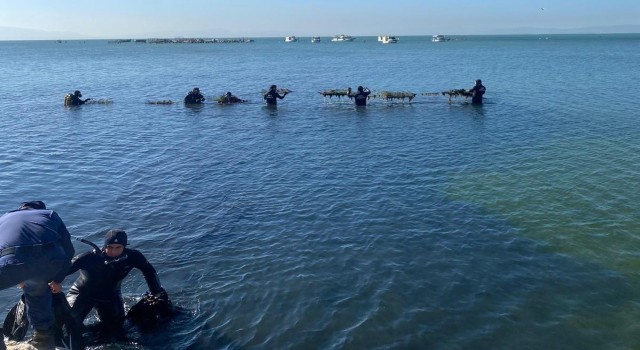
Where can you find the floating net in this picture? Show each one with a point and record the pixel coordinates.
(337, 92)
(102, 101)
(161, 102)
(395, 95)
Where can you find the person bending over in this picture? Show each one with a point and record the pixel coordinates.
(229, 98)
(35, 251)
(75, 100)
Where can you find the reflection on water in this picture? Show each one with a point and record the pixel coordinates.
(271, 110)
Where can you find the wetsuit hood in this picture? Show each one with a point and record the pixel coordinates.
(115, 236)
(33, 205)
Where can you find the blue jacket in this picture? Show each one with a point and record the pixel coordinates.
(32, 227)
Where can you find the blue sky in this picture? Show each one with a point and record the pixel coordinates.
(252, 18)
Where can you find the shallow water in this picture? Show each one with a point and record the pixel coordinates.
(422, 225)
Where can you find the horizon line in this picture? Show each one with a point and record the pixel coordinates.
(304, 36)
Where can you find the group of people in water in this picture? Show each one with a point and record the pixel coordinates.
(36, 254)
(271, 97)
(359, 97)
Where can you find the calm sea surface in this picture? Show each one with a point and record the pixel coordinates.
(316, 225)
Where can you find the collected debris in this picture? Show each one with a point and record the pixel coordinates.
(160, 102)
(396, 95)
(103, 101)
(456, 93)
(337, 92)
(280, 91)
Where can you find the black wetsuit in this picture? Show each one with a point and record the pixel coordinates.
(230, 99)
(272, 96)
(476, 94)
(98, 285)
(77, 101)
(193, 98)
(361, 97)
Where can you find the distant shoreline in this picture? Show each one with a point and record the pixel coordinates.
(195, 40)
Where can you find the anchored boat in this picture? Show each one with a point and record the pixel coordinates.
(438, 38)
(387, 39)
(342, 37)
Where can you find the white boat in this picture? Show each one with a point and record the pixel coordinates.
(438, 38)
(315, 39)
(342, 37)
(387, 39)
(290, 39)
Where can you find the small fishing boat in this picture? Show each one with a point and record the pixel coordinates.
(387, 39)
(315, 39)
(438, 38)
(290, 39)
(342, 37)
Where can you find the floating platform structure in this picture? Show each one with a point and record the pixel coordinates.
(336, 92)
(199, 41)
(396, 95)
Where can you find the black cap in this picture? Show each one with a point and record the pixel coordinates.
(33, 205)
(115, 236)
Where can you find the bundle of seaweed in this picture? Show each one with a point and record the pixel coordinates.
(160, 102)
(224, 99)
(396, 95)
(337, 92)
(103, 101)
(281, 91)
(456, 93)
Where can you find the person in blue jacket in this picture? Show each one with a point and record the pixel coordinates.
(35, 251)
(101, 274)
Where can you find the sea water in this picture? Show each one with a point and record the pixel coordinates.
(319, 225)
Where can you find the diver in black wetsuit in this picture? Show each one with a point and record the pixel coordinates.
(229, 98)
(272, 95)
(75, 99)
(194, 97)
(360, 97)
(101, 274)
(477, 91)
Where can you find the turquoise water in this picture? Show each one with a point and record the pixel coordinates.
(423, 225)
